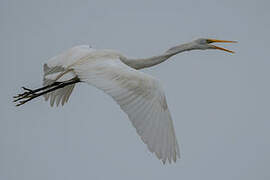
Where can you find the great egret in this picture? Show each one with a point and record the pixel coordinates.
(139, 95)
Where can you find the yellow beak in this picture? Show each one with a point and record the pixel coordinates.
(221, 41)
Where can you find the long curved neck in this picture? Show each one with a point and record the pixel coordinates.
(141, 63)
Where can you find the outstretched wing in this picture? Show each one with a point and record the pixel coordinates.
(141, 97)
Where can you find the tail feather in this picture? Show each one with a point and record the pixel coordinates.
(60, 95)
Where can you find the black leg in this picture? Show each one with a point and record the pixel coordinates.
(30, 91)
(32, 94)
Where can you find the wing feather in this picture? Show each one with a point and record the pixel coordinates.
(141, 97)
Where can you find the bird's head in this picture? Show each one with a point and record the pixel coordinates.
(204, 43)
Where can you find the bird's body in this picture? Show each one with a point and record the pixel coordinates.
(138, 94)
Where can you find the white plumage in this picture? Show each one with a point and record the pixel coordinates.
(139, 95)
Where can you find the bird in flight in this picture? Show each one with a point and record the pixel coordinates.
(138, 94)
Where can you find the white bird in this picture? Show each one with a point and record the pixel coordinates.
(138, 94)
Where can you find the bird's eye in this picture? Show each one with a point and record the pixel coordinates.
(208, 41)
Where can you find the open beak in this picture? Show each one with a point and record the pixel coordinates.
(220, 41)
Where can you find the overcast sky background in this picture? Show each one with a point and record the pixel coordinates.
(220, 103)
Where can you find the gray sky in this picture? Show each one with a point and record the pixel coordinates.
(219, 102)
